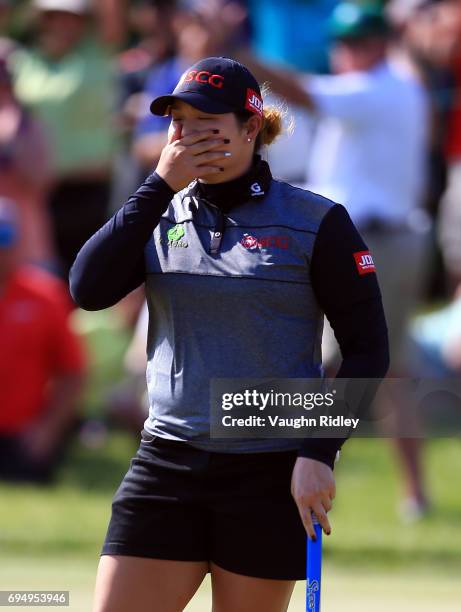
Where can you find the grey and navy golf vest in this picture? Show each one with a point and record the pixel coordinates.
(236, 290)
(229, 296)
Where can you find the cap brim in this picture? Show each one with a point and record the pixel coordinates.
(160, 105)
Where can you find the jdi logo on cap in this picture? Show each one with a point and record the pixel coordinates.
(253, 102)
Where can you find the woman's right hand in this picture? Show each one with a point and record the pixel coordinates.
(184, 159)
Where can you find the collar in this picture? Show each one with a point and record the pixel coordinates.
(251, 186)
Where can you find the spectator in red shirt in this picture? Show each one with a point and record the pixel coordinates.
(41, 363)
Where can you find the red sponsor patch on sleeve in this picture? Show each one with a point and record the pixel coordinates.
(364, 262)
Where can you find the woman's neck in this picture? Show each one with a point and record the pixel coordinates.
(227, 194)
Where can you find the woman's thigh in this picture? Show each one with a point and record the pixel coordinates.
(233, 592)
(255, 527)
(146, 585)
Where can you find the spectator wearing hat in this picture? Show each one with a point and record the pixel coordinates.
(68, 81)
(152, 24)
(41, 363)
(199, 29)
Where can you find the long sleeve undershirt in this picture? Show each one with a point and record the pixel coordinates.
(352, 304)
(111, 264)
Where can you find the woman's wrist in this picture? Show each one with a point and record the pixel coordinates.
(163, 183)
(321, 449)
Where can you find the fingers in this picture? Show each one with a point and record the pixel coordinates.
(210, 156)
(195, 137)
(180, 162)
(309, 525)
(313, 489)
(322, 517)
(319, 509)
(207, 145)
(176, 135)
(327, 503)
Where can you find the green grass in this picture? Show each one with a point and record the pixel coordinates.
(367, 526)
(50, 537)
(344, 590)
(71, 516)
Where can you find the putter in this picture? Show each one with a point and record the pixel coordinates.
(314, 569)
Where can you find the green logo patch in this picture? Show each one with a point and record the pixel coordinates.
(175, 233)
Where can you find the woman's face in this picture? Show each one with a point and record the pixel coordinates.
(190, 120)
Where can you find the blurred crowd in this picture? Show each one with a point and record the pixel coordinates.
(373, 92)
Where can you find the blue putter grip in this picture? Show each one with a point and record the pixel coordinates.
(314, 569)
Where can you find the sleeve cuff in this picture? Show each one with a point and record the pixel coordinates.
(160, 184)
(324, 450)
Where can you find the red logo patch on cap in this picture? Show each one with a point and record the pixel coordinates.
(253, 102)
(204, 77)
(364, 262)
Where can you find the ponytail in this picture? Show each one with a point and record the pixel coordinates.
(273, 122)
(272, 126)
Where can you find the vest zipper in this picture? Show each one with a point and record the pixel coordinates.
(217, 231)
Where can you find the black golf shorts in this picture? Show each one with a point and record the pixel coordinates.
(235, 509)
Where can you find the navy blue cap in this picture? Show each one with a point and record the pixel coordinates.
(215, 85)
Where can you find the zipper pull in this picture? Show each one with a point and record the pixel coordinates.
(217, 233)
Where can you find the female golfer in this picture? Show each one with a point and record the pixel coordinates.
(239, 270)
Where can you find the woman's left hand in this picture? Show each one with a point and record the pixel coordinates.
(313, 489)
